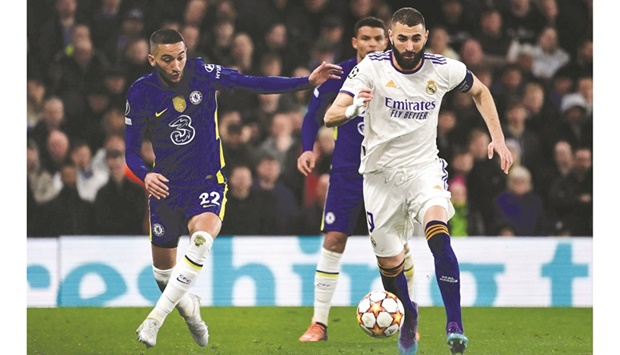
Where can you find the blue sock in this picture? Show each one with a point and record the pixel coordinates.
(395, 281)
(446, 270)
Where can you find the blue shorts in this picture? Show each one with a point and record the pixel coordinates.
(169, 216)
(344, 202)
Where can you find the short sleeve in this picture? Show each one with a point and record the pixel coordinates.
(359, 78)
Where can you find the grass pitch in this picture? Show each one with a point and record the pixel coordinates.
(275, 330)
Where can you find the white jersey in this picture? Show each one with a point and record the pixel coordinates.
(400, 122)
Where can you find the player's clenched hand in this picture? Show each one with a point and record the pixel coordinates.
(306, 162)
(155, 184)
(323, 72)
(502, 150)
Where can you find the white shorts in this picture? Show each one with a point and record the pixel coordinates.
(397, 199)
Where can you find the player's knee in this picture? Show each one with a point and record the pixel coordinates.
(199, 247)
(161, 277)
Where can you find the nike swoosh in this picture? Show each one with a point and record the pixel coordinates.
(157, 114)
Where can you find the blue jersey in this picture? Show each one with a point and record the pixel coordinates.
(181, 121)
(348, 136)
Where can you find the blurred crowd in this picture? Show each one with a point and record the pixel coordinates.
(534, 55)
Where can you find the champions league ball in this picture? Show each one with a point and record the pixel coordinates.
(380, 314)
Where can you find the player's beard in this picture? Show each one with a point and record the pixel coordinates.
(406, 63)
(166, 77)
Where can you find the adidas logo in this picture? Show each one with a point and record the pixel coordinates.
(390, 84)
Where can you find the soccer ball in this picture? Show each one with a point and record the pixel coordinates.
(380, 314)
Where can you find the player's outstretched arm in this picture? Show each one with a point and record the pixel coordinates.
(346, 107)
(324, 72)
(486, 106)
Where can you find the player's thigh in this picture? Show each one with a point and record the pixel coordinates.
(432, 190)
(387, 215)
(343, 204)
(167, 221)
(204, 207)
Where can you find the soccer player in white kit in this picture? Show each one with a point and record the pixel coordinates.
(404, 178)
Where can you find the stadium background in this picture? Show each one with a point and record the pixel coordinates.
(99, 54)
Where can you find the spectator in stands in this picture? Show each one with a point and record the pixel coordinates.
(268, 179)
(89, 180)
(446, 123)
(585, 88)
(575, 125)
(493, 39)
(114, 121)
(57, 152)
(219, 45)
(76, 72)
(466, 221)
(550, 10)
(548, 55)
(332, 31)
(132, 28)
(540, 112)
(199, 13)
(112, 142)
(485, 180)
(115, 83)
(53, 117)
(509, 87)
(270, 64)
(55, 32)
(561, 166)
(322, 51)
(284, 146)
(520, 206)
(474, 57)
(561, 85)
(459, 26)
(193, 41)
(439, 43)
(301, 98)
(120, 204)
(106, 22)
(249, 211)
(35, 100)
(236, 146)
(242, 53)
(467, 116)
(515, 127)
(583, 63)
(68, 213)
(276, 41)
(571, 197)
(523, 21)
(135, 60)
(461, 163)
(40, 181)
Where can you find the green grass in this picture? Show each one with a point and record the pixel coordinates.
(275, 330)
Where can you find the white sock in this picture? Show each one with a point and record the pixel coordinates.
(409, 270)
(325, 281)
(185, 305)
(183, 276)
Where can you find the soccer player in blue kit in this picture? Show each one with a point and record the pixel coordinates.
(175, 107)
(344, 197)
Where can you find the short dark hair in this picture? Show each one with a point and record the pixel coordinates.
(408, 16)
(369, 21)
(165, 36)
